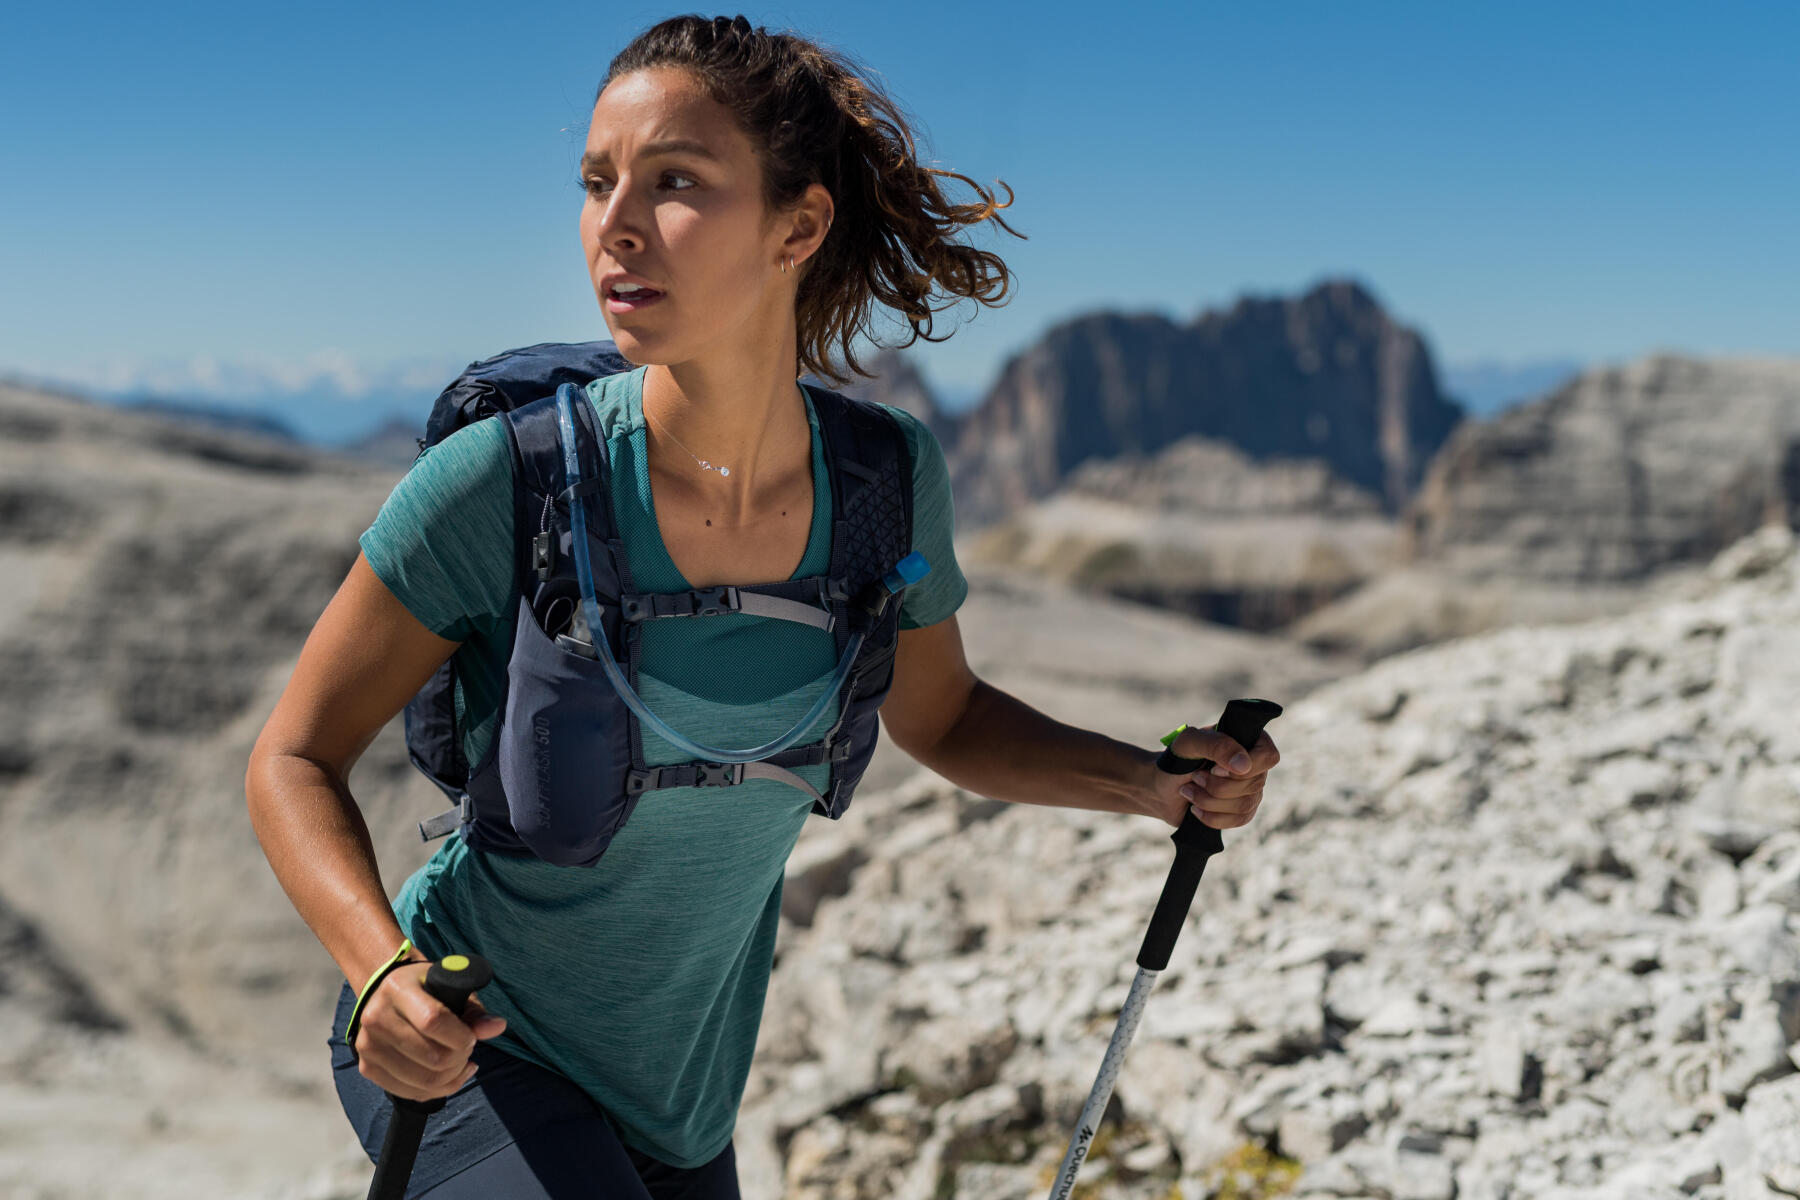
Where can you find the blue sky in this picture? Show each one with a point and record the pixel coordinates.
(301, 201)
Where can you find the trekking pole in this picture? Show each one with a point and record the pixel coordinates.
(1195, 842)
(450, 980)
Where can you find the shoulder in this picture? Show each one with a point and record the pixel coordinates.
(466, 461)
(442, 540)
(921, 444)
(911, 424)
(535, 440)
(614, 415)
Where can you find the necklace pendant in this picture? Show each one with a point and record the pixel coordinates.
(724, 470)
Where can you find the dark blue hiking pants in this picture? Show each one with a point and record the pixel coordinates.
(518, 1131)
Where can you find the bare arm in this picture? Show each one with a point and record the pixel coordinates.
(365, 659)
(994, 744)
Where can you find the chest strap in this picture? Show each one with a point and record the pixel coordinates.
(804, 601)
(714, 775)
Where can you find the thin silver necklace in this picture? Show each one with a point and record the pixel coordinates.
(721, 470)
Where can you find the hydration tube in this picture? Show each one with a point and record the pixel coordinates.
(584, 571)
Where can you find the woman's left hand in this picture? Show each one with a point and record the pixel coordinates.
(1224, 796)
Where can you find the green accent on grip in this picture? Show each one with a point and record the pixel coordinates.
(454, 962)
(1169, 738)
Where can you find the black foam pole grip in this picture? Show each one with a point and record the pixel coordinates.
(1195, 841)
(451, 980)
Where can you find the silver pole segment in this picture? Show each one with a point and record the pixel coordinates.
(1195, 843)
(1089, 1124)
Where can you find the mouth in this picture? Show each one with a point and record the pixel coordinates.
(628, 299)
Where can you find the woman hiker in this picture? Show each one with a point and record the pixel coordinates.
(767, 196)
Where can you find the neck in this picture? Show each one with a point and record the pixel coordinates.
(759, 431)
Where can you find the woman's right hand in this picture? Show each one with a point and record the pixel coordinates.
(410, 1045)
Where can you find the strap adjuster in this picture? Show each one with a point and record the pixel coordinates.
(543, 556)
(703, 774)
(718, 774)
(448, 821)
(700, 602)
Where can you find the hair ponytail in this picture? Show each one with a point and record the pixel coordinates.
(814, 118)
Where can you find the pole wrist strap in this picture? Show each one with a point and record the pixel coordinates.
(381, 972)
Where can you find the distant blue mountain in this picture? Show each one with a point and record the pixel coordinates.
(317, 418)
(1485, 388)
(393, 441)
(222, 416)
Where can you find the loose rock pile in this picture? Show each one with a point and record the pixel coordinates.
(1517, 920)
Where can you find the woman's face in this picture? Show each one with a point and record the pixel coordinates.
(674, 198)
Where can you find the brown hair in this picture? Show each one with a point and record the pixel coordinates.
(815, 119)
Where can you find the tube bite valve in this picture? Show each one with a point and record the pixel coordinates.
(905, 573)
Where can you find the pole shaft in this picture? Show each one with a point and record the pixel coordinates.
(1195, 843)
(1095, 1108)
(399, 1150)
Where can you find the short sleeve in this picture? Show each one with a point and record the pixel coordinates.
(443, 540)
(937, 596)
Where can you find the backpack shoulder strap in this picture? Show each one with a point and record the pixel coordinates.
(538, 492)
(871, 485)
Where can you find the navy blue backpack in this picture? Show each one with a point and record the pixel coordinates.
(567, 765)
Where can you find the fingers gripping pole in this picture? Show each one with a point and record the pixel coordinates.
(1195, 843)
(451, 980)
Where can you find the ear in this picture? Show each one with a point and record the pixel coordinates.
(807, 223)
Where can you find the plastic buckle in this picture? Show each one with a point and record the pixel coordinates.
(714, 601)
(839, 751)
(638, 782)
(718, 774)
(632, 608)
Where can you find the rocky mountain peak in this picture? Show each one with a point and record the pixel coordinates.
(1325, 375)
(1621, 472)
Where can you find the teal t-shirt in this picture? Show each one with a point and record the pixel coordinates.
(641, 978)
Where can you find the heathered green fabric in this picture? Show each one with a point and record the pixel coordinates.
(642, 978)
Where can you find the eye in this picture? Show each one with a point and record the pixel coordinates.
(596, 187)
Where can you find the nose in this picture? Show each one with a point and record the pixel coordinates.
(620, 218)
